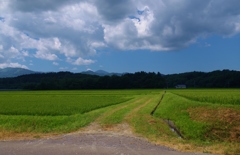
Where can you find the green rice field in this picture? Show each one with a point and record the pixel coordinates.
(56, 103)
(208, 119)
(218, 96)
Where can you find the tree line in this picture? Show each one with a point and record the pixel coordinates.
(215, 79)
(138, 80)
(73, 81)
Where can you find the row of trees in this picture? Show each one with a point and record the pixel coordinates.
(215, 79)
(67, 80)
(138, 80)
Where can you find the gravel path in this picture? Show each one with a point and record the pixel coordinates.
(87, 144)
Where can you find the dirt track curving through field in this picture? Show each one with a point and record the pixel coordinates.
(94, 139)
(88, 144)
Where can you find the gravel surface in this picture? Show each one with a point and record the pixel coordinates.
(87, 144)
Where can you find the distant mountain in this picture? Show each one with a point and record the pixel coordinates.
(89, 72)
(14, 72)
(100, 73)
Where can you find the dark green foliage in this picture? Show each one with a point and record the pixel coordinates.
(215, 79)
(73, 81)
(138, 80)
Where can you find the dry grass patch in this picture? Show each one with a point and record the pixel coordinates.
(9, 136)
(224, 122)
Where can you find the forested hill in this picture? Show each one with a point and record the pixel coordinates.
(215, 79)
(14, 72)
(68, 80)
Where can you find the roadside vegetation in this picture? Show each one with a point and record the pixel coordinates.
(208, 119)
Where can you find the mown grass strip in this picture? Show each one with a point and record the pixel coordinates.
(118, 114)
(146, 125)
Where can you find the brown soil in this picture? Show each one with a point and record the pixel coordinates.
(121, 129)
(6, 135)
(224, 122)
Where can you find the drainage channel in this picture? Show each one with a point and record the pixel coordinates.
(153, 111)
(169, 122)
(174, 128)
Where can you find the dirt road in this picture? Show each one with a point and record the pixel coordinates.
(87, 144)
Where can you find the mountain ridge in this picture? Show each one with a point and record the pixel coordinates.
(11, 72)
(14, 72)
(100, 73)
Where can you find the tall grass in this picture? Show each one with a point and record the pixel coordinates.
(177, 109)
(206, 118)
(47, 124)
(219, 96)
(174, 108)
(55, 103)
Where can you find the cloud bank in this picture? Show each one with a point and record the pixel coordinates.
(71, 31)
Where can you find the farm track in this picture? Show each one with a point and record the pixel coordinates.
(140, 106)
(113, 110)
(101, 126)
(95, 138)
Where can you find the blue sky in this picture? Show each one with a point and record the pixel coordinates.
(167, 36)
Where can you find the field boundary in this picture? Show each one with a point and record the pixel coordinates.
(153, 111)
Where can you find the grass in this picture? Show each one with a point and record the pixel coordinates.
(218, 96)
(47, 124)
(119, 114)
(209, 123)
(174, 108)
(144, 124)
(58, 111)
(54, 103)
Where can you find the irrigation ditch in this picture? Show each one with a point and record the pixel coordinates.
(169, 122)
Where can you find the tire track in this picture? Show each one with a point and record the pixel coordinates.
(107, 114)
(138, 108)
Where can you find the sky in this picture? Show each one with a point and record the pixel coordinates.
(166, 36)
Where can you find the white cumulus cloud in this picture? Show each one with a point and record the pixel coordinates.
(47, 56)
(76, 29)
(81, 61)
(13, 65)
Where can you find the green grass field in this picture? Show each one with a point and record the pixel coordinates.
(58, 111)
(218, 96)
(204, 116)
(56, 103)
(209, 119)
